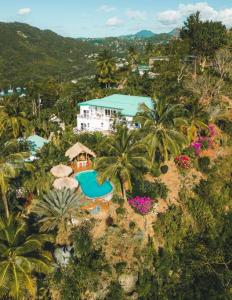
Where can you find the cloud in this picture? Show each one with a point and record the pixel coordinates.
(169, 17)
(225, 16)
(136, 14)
(114, 22)
(107, 8)
(175, 17)
(24, 11)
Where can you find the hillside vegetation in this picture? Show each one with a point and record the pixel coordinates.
(28, 53)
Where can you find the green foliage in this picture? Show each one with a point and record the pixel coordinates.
(28, 53)
(56, 208)
(120, 211)
(204, 37)
(156, 189)
(83, 272)
(164, 169)
(203, 164)
(115, 292)
(22, 255)
(120, 267)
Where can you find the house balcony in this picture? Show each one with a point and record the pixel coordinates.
(94, 117)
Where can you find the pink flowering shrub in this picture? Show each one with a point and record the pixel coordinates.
(212, 130)
(142, 205)
(197, 147)
(183, 161)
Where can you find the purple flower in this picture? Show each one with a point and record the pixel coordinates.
(143, 205)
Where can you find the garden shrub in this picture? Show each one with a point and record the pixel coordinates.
(120, 211)
(132, 225)
(164, 169)
(109, 221)
(203, 164)
(191, 151)
(118, 200)
(142, 205)
(155, 171)
(120, 267)
(156, 189)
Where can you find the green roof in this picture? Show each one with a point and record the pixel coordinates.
(36, 142)
(128, 105)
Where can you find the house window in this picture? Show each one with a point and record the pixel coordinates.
(107, 112)
(86, 113)
(83, 126)
(102, 124)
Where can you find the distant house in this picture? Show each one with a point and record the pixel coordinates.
(152, 60)
(100, 114)
(143, 69)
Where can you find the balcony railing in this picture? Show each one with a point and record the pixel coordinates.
(97, 117)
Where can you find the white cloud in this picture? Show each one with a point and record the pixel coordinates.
(207, 12)
(169, 17)
(24, 11)
(114, 22)
(136, 14)
(225, 16)
(107, 8)
(175, 17)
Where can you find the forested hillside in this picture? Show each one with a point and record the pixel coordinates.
(29, 53)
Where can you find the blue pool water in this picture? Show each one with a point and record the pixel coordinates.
(90, 186)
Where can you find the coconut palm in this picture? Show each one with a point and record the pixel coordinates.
(10, 164)
(106, 68)
(132, 56)
(192, 120)
(14, 120)
(21, 256)
(56, 209)
(161, 133)
(125, 159)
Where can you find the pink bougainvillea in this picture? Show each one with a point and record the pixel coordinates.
(197, 147)
(142, 205)
(212, 130)
(183, 161)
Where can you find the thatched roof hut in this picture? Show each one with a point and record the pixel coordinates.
(61, 171)
(65, 182)
(77, 150)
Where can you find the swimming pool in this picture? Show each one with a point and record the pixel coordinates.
(90, 186)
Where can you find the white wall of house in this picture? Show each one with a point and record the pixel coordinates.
(93, 118)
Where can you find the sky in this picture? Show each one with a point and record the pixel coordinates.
(100, 18)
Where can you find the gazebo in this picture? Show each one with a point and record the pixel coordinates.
(80, 156)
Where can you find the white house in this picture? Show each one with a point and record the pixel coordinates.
(100, 114)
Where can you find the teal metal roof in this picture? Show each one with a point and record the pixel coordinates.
(127, 105)
(36, 142)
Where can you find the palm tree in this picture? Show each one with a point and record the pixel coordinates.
(10, 164)
(161, 133)
(106, 68)
(13, 119)
(56, 208)
(125, 159)
(21, 256)
(192, 120)
(132, 57)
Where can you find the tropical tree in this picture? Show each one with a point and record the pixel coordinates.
(132, 56)
(22, 256)
(161, 135)
(10, 163)
(106, 68)
(56, 209)
(13, 119)
(193, 120)
(125, 158)
(204, 37)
